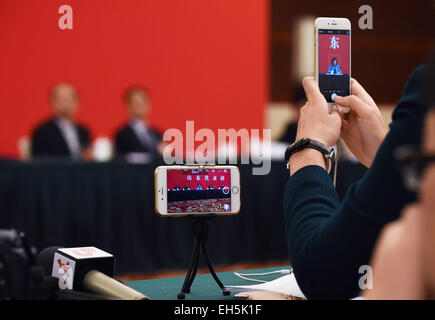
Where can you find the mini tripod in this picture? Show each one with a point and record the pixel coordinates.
(201, 233)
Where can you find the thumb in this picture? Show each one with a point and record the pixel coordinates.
(311, 88)
(354, 103)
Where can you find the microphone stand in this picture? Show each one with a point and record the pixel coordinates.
(201, 233)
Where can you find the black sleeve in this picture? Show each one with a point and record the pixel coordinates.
(84, 137)
(38, 143)
(327, 241)
(158, 135)
(121, 143)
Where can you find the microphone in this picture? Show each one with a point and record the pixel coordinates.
(85, 269)
(55, 293)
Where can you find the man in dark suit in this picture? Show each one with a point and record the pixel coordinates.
(297, 102)
(137, 138)
(60, 135)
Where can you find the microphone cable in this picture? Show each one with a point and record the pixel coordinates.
(337, 156)
(245, 276)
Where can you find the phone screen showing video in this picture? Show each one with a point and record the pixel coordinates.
(334, 63)
(199, 190)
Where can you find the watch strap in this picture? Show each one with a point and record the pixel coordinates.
(303, 143)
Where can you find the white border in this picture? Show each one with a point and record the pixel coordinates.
(162, 190)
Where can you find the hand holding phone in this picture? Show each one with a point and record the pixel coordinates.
(363, 129)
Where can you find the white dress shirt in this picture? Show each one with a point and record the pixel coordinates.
(70, 134)
(144, 135)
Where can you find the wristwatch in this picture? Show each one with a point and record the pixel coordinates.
(301, 144)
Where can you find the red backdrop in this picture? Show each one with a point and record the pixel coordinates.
(202, 60)
(326, 54)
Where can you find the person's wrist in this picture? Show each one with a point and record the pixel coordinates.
(306, 157)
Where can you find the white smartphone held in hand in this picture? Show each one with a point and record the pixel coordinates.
(197, 190)
(332, 58)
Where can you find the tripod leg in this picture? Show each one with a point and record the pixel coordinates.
(193, 266)
(210, 267)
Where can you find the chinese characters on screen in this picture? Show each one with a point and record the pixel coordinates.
(334, 63)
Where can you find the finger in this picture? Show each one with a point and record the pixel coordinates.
(311, 89)
(354, 103)
(345, 124)
(361, 93)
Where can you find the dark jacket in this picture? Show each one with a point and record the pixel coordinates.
(47, 140)
(126, 141)
(329, 241)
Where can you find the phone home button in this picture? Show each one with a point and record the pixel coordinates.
(235, 190)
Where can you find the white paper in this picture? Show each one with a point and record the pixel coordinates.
(286, 285)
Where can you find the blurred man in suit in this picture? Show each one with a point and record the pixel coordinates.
(137, 138)
(297, 101)
(60, 135)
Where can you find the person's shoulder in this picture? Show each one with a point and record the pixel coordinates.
(123, 130)
(414, 95)
(81, 127)
(155, 130)
(417, 79)
(44, 126)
